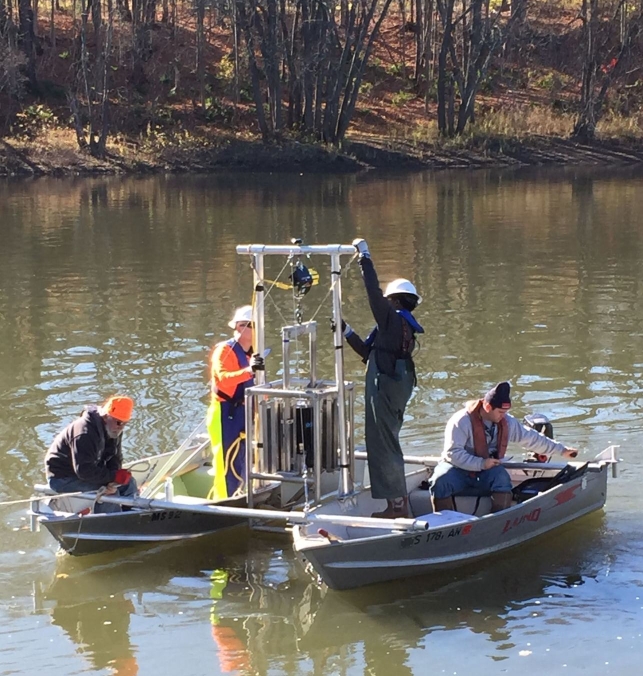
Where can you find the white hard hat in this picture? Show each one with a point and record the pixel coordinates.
(241, 314)
(401, 286)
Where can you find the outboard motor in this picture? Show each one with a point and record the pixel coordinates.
(542, 424)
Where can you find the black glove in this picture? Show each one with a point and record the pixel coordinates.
(257, 363)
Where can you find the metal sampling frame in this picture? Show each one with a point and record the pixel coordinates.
(300, 429)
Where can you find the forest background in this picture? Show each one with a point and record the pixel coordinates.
(309, 85)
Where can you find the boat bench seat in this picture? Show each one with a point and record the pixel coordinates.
(196, 483)
(478, 505)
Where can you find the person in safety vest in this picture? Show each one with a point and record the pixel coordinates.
(475, 442)
(232, 370)
(87, 455)
(390, 378)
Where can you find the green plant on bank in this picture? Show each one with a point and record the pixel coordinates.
(33, 120)
(215, 111)
(225, 69)
(365, 89)
(402, 98)
(396, 69)
(549, 81)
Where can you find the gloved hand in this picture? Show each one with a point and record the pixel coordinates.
(257, 363)
(122, 477)
(362, 247)
(346, 328)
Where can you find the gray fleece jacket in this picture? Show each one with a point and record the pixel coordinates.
(458, 441)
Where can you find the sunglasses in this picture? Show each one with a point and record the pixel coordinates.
(118, 423)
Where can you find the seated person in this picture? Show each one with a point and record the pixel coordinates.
(87, 456)
(475, 441)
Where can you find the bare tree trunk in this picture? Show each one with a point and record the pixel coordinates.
(357, 72)
(245, 20)
(4, 17)
(100, 148)
(592, 96)
(96, 20)
(52, 21)
(27, 40)
(585, 127)
(446, 10)
(272, 62)
(200, 44)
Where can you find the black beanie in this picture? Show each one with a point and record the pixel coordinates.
(498, 396)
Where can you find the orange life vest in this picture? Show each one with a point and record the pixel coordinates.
(480, 438)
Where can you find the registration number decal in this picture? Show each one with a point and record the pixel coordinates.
(162, 516)
(435, 536)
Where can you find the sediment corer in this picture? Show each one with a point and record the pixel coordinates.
(542, 424)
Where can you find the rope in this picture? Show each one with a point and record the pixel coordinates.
(230, 456)
(335, 279)
(57, 495)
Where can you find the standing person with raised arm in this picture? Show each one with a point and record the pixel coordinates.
(232, 369)
(390, 377)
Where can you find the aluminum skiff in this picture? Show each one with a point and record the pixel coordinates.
(345, 557)
(180, 479)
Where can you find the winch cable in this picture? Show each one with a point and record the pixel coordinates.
(334, 281)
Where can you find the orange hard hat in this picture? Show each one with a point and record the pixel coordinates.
(119, 407)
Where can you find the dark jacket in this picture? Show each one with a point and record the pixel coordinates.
(84, 450)
(392, 329)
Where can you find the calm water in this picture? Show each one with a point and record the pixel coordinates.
(125, 284)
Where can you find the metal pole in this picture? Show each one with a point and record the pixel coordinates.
(265, 514)
(345, 487)
(285, 345)
(295, 250)
(434, 459)
(258, 315)
(254, 445)
(250, 450)
(317, 445)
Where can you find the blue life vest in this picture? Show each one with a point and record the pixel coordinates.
(405, 314)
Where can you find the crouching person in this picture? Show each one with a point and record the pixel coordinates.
(475, 442)
(87, 456)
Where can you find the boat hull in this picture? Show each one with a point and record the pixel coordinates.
(372, 558)
(96, 533)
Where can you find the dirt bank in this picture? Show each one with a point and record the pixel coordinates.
(45, 157)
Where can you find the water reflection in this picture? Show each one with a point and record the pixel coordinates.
(125, 284)
(264, 614)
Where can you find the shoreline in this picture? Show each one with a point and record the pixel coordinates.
(37, 158)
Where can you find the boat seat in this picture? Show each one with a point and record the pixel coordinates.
(477, 505)
(472, 501)
(466, 502)
(420, 501)
(197, 483)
